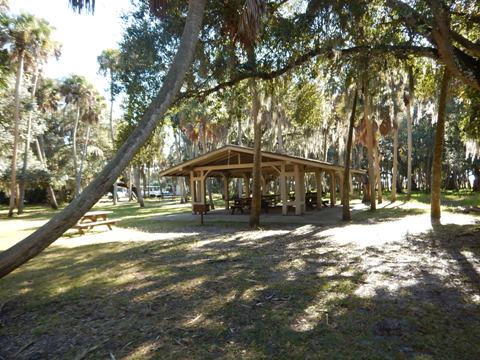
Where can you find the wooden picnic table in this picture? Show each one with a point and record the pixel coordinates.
(94, 218)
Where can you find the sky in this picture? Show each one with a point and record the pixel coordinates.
(83, 37)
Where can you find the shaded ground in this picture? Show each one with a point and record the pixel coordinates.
(388, 285)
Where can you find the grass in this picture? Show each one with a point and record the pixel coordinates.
(219, 292)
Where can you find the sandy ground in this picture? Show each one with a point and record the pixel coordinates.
(414, 284)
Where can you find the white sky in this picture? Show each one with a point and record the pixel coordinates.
(83, 37)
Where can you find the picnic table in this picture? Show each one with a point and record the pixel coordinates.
(94, 218)
(246, 203)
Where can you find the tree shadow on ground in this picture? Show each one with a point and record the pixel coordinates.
(283, 293)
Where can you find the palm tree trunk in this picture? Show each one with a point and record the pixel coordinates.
(16, 119)
(254, 220)
(370, 145)
(41, 156)
(112, 134)
(438, 149)
(130, 184)
(395, 165)
(409, 133)
(378, 174)
(136, 179)
(74, 148)
(348, 155)
(32, 245)
(27, 148)
(78, 180)
(239, 140)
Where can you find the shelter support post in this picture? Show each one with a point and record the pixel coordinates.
(283, 189)
(299, 190)
(226, 192)
(333, 190)
(318, 181)
(340, 182)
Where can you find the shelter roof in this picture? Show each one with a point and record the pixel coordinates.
(235, 161)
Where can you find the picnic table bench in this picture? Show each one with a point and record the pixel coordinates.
(93, 218)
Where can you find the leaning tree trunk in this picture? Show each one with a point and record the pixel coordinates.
(16, 119)
(78, 180)
(348, 155)
(438, 149)
(27, 147)
(370, 145)
(32, 245)
(257, 157)
(409, 132)
(74, 149)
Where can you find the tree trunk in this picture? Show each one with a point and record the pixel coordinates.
(41, 156)
(136, 179)
(130, 184)
(257, 157)
(378, 174)
(346, 216)
(74, 147)
(239, 140)
(438, 149)
(16, 119)
(27, 147)
(370, 145)
(112, 134)
(409, 132)
(32, 245)
(78, 180)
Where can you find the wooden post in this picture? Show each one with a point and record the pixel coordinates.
(298, 190)
(202, 189)
(318, 181)
(192, 189)
(225, 189)
(283, 189)
(302, 190)
(333, 190)
(340, 178)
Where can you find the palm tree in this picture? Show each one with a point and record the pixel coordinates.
(41, 49)
(408, 99)
(77, 93)
(348, 155)
(90, 116)
(26, 34)
(108, 62)
(247, 32)
(32, 245)
(47, 98)
(395, 105)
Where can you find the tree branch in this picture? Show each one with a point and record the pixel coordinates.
(401, 51)
(458, 63)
